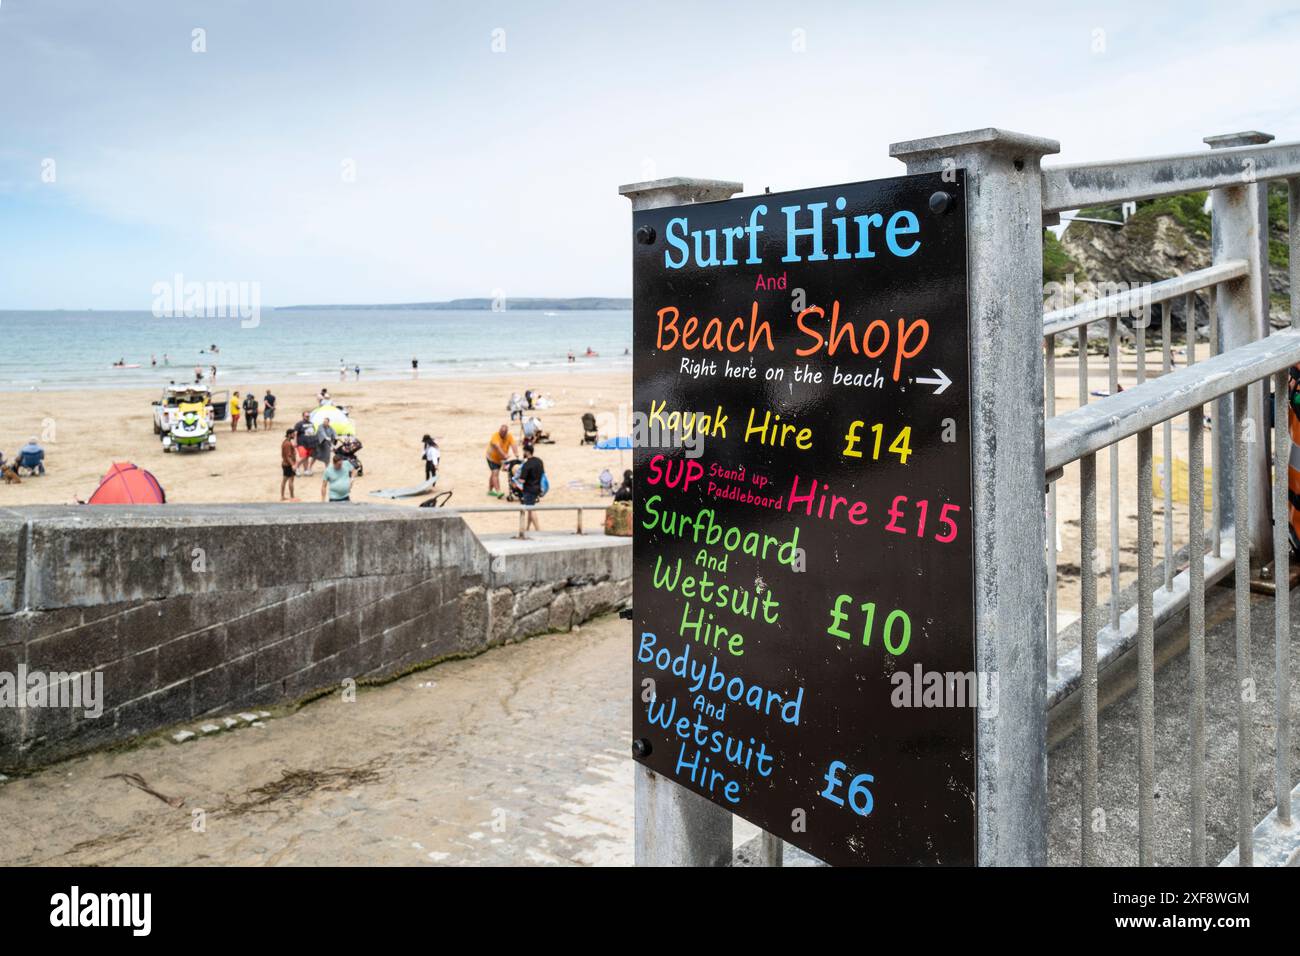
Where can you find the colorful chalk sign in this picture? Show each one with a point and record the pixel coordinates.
(803, 650)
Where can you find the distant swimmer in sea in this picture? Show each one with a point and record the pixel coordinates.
(153, 360)
(166, 360)
(198, 374)
(591, 353)
(572, 357)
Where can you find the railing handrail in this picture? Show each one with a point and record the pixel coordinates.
(1125, 303)
(1082, 185)
(1090, 428)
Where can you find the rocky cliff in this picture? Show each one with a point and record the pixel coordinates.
(1164, 238)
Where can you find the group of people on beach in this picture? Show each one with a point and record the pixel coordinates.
(311, 441)
(251, 409)
(528, 481)
(302, 447)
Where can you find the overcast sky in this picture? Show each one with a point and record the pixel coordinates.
(479, 169)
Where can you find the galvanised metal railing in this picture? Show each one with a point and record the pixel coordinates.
(1244, 359)
(523, 511)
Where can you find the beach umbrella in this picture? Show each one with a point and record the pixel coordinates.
(619, 443)
(339, 420)
(125, 484)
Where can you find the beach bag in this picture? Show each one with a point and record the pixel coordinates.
(618, 519)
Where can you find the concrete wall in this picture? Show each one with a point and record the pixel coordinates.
(194, 610)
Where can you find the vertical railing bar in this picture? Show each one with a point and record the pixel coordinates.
(1189, 309)
(1083, 365)
(1281, 596)
(1049, 386)
(1146, 658)
(1088, 756)
(1216, 523)
(1241, 586)
(1141, 330)
(1113, 389)
(1167, 439)
(1196, 625)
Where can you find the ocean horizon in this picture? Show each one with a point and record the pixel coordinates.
(58, 350)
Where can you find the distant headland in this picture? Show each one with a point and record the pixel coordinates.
(584, 304)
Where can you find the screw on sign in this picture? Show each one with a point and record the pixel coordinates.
(831, 465)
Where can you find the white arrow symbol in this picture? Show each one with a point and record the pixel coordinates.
(943, 381)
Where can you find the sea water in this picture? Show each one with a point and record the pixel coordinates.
(71, 349)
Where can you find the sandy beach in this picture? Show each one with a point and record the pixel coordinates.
(86, 431)
(89, 430)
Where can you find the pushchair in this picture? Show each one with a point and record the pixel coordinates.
(589, 434)
(511, 467)
(515, 487)
(347, 448)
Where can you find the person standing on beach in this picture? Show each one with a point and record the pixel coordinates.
(325, 436)
(431, 456)
(530, 479)
(250, 412)
(305, 439)
(234, 411)
(415, 368)
(357, 369)
(288, 464)
(498, 450)
(337, 480)
(268, 408)
(212, 379)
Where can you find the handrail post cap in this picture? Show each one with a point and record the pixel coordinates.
(989, 139)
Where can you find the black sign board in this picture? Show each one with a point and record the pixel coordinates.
(803, 650)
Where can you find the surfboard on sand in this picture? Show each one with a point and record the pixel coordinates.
(424, 488)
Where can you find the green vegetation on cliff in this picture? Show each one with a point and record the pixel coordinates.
(1057, 263)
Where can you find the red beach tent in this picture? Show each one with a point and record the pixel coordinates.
(125, 484)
